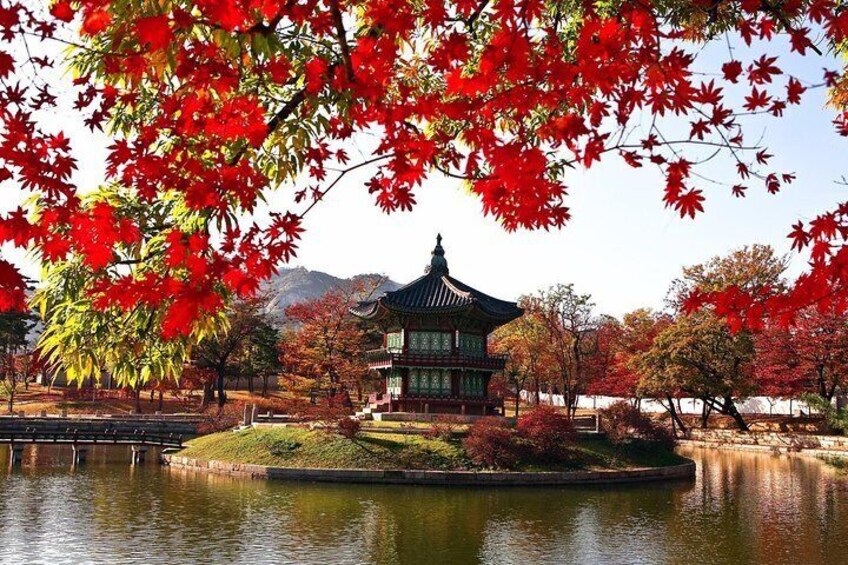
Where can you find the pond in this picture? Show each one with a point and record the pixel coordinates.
(742, 508)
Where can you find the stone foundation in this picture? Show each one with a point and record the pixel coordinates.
(443, 478)
(774, 442)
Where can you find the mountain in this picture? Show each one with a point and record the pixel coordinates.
(297, 284)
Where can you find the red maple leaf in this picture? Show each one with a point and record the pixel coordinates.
(7, 64)
(690, 203)
(154, 32)
(96, 21)
(63, 11)
(732, 70)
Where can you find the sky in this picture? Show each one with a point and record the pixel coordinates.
(622, 246)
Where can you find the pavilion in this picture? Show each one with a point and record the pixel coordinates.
(435, 356)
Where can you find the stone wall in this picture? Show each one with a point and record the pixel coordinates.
(443, 478)
(769, 441)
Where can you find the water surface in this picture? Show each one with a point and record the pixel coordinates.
(742, 508)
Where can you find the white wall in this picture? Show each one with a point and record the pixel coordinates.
(752, 405)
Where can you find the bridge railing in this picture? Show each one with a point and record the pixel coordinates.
(104, 437)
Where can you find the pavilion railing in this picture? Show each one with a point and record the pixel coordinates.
(459, 359)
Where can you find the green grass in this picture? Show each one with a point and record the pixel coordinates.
(302, 448)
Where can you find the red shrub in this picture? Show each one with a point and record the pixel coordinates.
(623, 424)
(220, 420)
(442, 428)
(348, 427)
(547, 434)
(491, 442)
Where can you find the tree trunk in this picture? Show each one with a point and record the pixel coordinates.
(517, 398)
(12, 401)
(705, 415)
(208, 395)
(264, 386)
(675, 417)
(222, 396)
(730, 409)
(161, 401)
(138, 401)
(250, 387)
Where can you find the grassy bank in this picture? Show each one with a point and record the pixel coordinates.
(299, 447)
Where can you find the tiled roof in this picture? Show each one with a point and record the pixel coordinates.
(437, 292)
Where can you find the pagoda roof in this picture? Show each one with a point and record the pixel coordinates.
(438, 293)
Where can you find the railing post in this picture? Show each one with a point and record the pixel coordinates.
(16, 454)
(79, 454)
(138, 454)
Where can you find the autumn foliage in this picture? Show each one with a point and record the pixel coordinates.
(348, 427)
(623, 423)
(542, 436)
(210, 105)
(547, 435)
(492, 442)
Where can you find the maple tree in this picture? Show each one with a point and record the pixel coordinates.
(248, 346)
(329, 345)
(571, 327)
(700, 357)
(529, 352)
(811, 356)
(700, 354)
(619, 343)
(211, 105)
(19, 363)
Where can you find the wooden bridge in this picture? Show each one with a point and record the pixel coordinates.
(140, 440)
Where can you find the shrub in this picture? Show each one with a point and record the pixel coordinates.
(836, 418)
(348, 427)
(217, 419)
(491, 442)
(442, 429)
(548, 435)
(623, 424)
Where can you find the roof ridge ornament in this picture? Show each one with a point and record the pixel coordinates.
(438, 263)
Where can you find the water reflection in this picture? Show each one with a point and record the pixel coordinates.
(743, 508)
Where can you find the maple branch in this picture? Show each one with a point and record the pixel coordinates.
(452, 175)
(766, 6)
(339, 177)
(473, 17)
(275, 121)
(342, 36)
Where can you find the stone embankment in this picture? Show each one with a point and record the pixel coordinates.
(774, 442)
(443, 478)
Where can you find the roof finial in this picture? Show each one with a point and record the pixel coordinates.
(438, 263)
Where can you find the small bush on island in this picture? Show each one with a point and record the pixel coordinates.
(348, 427)
(546, 434)
(442, 429)
(542, 436)
(491, 442)
(624, 424)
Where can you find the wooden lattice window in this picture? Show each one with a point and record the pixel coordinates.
(472, 343)
(430, 342)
